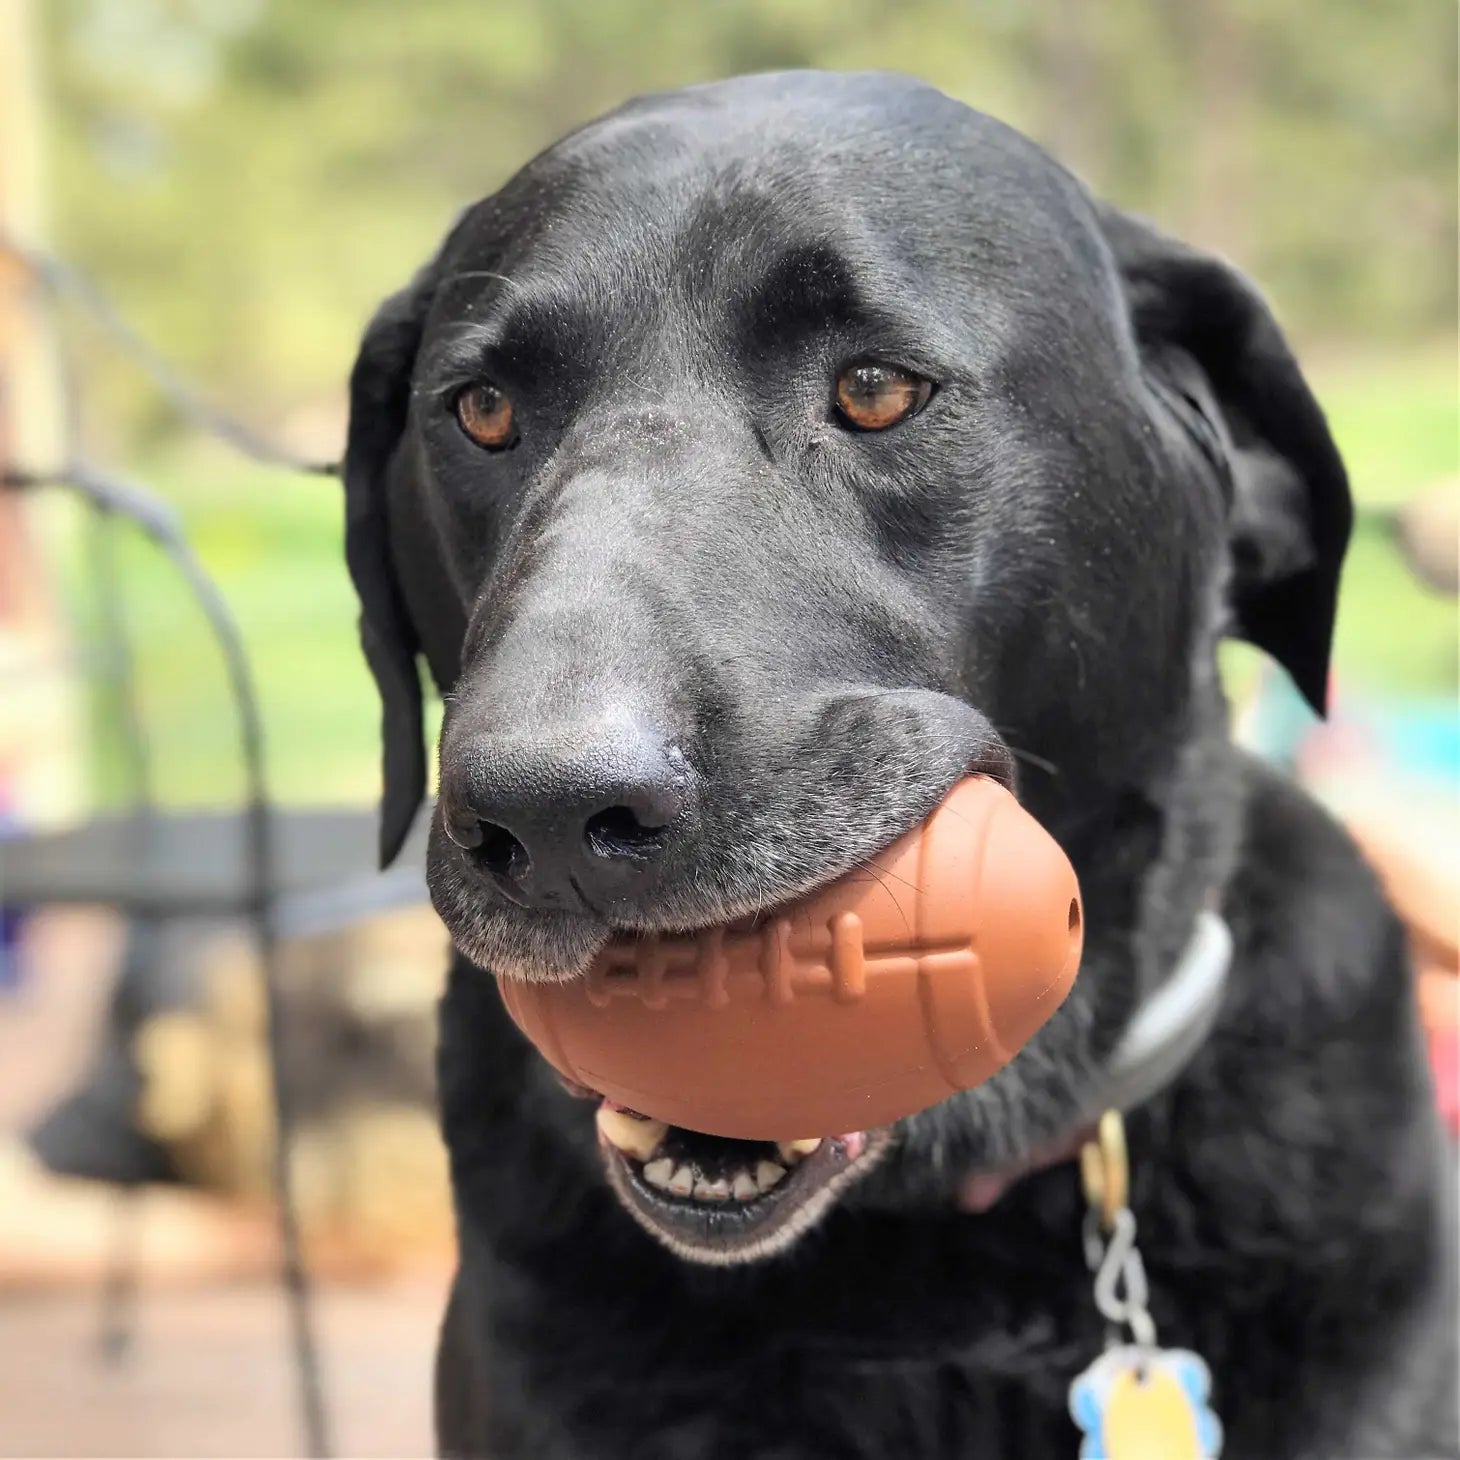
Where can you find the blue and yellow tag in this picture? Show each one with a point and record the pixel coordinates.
(1136, 1403)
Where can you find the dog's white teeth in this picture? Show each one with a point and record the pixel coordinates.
(686, 1180)
(711, 1190)
(743, 1188)
(658, 1173)
(767, 1173)
(632, 1135)
(640, 1138)
(793, 1151)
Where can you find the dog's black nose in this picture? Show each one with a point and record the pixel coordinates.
(566, 820)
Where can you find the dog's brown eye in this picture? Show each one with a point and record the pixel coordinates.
(486, 416)
(873, 397)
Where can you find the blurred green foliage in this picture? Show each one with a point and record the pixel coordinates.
(248, 179)
(251, 178)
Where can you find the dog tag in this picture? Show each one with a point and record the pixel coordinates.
(1138, 1403)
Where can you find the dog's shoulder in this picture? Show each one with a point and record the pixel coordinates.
(1315, 936)
(1318, 1049)
(1303, 1143)
(1311, 1101)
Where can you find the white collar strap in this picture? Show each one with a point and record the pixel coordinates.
(1173, 1023)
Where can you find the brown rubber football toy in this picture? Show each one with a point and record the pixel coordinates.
(887, 991)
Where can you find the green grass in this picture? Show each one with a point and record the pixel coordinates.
(274, 542)
(1397, 423)
(1396, 419)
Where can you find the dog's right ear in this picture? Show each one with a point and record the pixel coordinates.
(380, 387)
(1290, 513)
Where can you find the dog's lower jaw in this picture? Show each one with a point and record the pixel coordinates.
(780, 1236)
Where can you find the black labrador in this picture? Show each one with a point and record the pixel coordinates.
(758, 461)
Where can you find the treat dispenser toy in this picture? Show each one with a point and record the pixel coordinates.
(917, 975)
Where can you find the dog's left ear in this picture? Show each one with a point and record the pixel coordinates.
(379, 402)
(1206, 332)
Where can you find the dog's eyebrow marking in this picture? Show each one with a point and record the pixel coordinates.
(814, 289)
(534, 330)
(801, 288)
(466, 350)
(462, 352)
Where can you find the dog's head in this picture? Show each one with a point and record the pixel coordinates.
(757, 462)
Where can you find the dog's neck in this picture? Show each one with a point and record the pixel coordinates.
(1172, 1023)
(1163, 1036)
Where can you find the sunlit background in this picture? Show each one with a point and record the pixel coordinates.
(246, 180)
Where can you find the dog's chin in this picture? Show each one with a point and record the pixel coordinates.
(724, 1203)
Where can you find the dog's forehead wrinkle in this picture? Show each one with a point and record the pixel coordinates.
(663, 197)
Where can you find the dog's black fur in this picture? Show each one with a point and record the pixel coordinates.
(1121, 463)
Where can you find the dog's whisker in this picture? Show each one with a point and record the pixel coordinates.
(867, 867)
(895, 876)
(465, 274)
(1029, 758)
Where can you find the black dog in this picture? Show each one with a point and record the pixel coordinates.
(755, 463)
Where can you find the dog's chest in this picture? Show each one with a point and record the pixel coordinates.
(933, 1413)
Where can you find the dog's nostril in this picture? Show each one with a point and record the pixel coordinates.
(500, 852)
(466, 834)
(618, 832)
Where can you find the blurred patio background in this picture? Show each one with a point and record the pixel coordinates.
(245, 180)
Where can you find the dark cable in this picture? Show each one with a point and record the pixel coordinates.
(116, 668)
(65, 281)
(119, 1288)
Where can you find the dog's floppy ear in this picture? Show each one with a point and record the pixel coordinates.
(379, 400)
(1207, 330)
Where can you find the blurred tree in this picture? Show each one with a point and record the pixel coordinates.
(249, 177)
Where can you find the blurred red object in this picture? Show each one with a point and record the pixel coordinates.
(1445, 1058)
(1424, 886)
